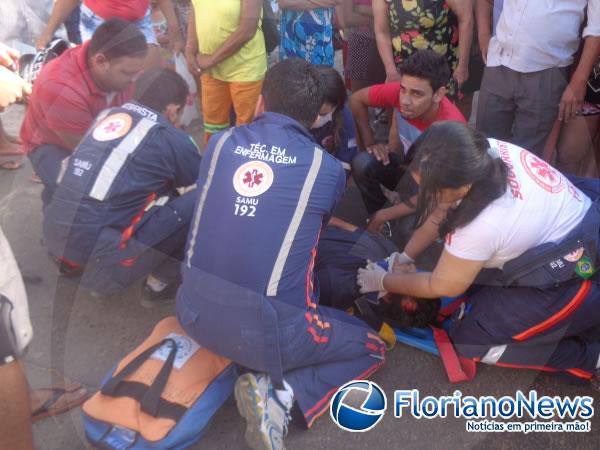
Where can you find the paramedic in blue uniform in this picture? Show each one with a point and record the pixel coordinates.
(265, 191)
(523, 234)
(117, 216)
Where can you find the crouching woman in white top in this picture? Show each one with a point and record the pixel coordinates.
(521, 240)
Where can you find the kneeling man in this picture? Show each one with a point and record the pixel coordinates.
(265, 192)
(116, 215)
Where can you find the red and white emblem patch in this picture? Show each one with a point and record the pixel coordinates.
(546, 176)
(253, 178)
(575, 256)
(112, 127)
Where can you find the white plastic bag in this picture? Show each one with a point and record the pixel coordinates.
(22, 21)
(190, 112)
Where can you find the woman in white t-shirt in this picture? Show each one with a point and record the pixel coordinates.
(511, 219)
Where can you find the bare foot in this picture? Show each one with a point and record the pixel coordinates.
(10, 164)
(8, 141)
(13, 139)
(9, 148)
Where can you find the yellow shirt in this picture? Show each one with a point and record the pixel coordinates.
(216, 20)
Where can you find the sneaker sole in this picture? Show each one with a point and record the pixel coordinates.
(248, 404)
(148, 302)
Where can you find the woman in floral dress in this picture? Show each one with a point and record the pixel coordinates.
(404, 26)
(307, 31)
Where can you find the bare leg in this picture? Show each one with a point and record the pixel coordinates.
(465, 104)
(8, 144)
(15, 410)
(575, 144)
(153, 57)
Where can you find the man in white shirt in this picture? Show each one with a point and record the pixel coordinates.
(526, 85)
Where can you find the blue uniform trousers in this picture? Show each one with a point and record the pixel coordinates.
(318, 348)
(546, 329)
(156, 247)
(46, 161)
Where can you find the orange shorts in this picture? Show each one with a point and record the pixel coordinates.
(218, 96)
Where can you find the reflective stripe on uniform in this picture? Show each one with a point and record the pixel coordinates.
(205, 188)
(494, 354)
(290, 235)
(116, 160)
(558, 317)
(65, 162)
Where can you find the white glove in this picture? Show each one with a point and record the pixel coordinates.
(371, 279)
(399, 258)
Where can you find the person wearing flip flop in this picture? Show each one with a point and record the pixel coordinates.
(19, 405)
(14, 88)
(73, 89)
(522, 240)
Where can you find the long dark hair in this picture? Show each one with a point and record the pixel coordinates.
(449, 155)
(333, 89)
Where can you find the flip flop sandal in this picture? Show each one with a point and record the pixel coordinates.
(61, 398)
(10, 165)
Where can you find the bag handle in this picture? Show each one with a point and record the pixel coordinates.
(151, 400)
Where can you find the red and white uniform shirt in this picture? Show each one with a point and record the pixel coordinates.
(540, 205)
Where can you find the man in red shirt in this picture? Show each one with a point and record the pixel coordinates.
(419, 99)
(73, 88)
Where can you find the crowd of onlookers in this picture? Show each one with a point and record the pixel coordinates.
(536, 85)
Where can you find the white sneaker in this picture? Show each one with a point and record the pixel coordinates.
(266, 418)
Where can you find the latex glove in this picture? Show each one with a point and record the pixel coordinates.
(399, 259)
(370, 279)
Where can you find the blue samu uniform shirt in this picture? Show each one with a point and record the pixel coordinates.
(265, 191)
